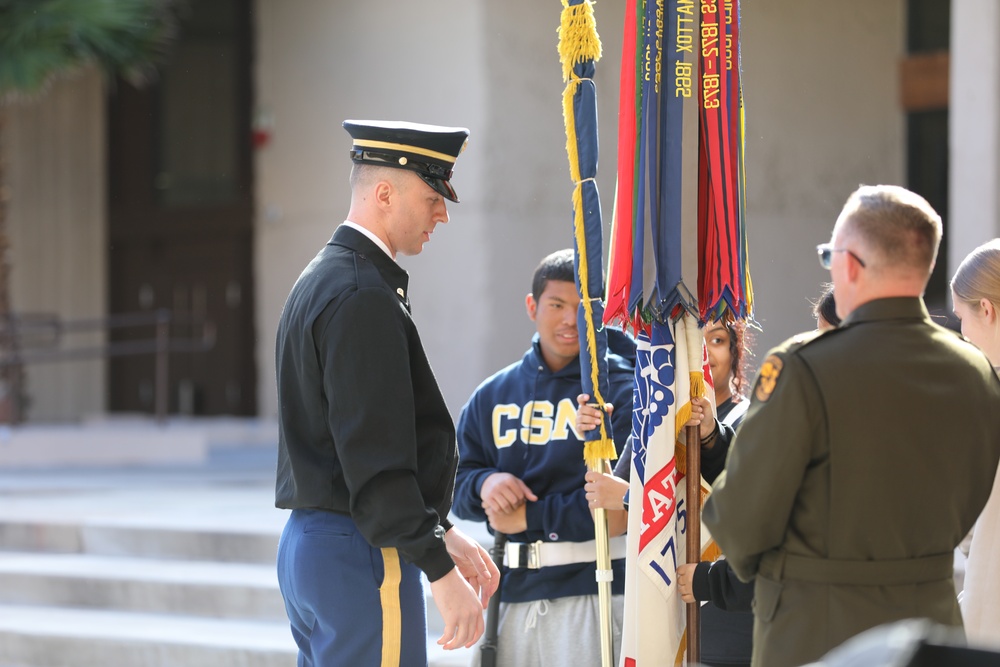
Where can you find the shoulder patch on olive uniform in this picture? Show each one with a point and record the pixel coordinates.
(767, 378)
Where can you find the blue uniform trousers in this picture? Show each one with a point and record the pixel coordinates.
(349, 603)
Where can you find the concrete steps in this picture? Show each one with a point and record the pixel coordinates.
(127, 563)
(58, 636)
(195, 588)
(114, 592)
(127, 539)
(94, 594)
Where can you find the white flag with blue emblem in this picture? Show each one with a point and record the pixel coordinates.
(654, 612)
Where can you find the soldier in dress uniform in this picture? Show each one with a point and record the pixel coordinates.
(868, 450)
(366, 453)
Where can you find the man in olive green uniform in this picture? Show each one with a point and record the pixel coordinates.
(366, 445)
(867, 453)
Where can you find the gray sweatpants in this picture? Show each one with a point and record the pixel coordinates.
(551, 633)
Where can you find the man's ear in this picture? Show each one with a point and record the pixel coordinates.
(531, 306)
(854, 269)
(384, 194)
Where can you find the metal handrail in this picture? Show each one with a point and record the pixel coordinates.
(35, 338)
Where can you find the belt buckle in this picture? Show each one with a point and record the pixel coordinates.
(524, 555)
(534, 555)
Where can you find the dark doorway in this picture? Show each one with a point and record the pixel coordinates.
(181, 212)
(925, 94)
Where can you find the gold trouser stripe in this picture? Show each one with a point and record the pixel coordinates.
(407, 148)
(392, 615)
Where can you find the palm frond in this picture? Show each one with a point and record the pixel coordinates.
(40, 39)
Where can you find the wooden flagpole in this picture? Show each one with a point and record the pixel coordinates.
(692, 478)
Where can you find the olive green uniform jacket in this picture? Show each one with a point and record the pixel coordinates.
(865, 458)
(363, 429)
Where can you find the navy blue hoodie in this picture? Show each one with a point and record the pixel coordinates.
(522, 421)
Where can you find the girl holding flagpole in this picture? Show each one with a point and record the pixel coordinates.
(727, 624)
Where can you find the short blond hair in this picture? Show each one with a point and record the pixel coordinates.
(900, 226)
(364, 175)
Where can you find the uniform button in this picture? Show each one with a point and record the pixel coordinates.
(439, 532)
(400, 292)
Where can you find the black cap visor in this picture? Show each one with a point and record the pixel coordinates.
(442, 186)
(435, 175)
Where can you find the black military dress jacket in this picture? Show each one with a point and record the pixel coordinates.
(363, 427)
(866, 456)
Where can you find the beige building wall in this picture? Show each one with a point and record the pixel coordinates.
(974, 127)
(320, 63)
(53, 150)
(822, 116)
(822, 110)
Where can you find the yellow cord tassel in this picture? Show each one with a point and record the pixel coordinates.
(684, 412)
(594, 451)
(578, 39)
(579, 42)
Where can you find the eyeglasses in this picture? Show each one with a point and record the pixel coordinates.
(826, 250)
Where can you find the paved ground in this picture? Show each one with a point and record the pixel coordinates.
(233, 489)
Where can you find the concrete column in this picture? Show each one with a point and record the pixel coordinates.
(974, 127)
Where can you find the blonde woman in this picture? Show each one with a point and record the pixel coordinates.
(975, 291)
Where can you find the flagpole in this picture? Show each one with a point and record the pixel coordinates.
(579, 49)
(692, 478)
(605, 575)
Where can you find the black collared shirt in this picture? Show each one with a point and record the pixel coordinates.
(363, 427)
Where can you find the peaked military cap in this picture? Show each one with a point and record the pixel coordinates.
(428, 150)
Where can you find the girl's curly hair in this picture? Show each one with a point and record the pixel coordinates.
(739, 350)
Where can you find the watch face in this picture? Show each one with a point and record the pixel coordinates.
(439, 532)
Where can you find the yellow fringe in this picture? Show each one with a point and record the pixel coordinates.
(684, 412)
(697, 384)
(579, 42)
(682, 649)
(597, 451)
(683, 416)
(574, 159)
(603, 447)
(578, 39)
(680, 457)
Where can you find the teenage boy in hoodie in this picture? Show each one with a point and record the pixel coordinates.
(522, 470)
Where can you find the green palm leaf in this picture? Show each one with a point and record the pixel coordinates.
(42, 38)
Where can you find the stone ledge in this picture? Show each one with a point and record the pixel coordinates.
(33, 446)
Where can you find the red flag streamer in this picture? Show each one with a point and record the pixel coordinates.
(723, 282)
(623, 228)
(743, 306)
